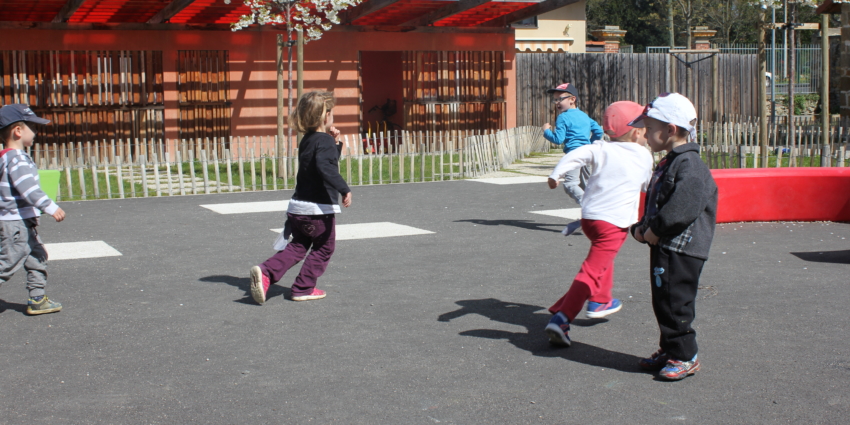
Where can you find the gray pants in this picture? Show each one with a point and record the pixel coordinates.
(574, 183)
(20, 246)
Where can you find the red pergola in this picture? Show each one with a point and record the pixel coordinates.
(399, 15)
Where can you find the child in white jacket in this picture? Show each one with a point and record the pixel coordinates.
(621, 170)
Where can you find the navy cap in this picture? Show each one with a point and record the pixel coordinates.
(565, 88)
(13, 113)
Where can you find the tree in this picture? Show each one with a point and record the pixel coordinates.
(311, 17)
(644, 20)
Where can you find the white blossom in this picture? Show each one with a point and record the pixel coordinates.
(314, 17)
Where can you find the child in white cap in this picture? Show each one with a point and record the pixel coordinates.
(678, 224)
(621, 170)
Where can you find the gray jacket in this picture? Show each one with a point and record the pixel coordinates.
(686, 204)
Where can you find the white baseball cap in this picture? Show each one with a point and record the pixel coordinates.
(672, 108)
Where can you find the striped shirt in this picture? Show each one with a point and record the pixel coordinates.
(20, 194)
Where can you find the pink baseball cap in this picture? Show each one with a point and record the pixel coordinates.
(617, 117)
(672, 108)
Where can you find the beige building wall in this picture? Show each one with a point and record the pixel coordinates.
(561, 30)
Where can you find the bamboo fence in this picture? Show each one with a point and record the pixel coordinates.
(146, 168)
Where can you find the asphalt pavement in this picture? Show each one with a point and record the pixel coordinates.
(444, 327)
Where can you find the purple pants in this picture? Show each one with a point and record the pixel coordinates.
(308, 231)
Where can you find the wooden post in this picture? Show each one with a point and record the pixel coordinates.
(241, 170)
(94, 176)
(180, 181)
(205, 171)
(253, 169)
(168, 176)
(227, 154)
(82, 177)
(824, 89)
(192, 172)
(143, 168)
(762, 92)
(120, 177)
(130, 171)
(217, 172)
(106, 177)
(156, 173)
(263, 172)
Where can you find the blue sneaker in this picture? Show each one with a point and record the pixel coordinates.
(571, 228)
(676, 370)
(598, 311)
(558, 330)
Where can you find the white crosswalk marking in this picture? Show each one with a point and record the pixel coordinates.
(77, 250)
(248, 207)
(512, 180)
(384, 229)
(570, 213)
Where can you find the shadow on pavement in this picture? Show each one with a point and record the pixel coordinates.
(522, 224)
(5, 305)
(244, 284)
(534, 339)
(835, 257)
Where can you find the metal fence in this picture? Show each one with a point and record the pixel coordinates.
(808, 70)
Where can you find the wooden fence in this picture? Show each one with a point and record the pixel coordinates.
(640, 77)
(736, 144)
(169, 167)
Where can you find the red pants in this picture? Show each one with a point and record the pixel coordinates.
(596, 277)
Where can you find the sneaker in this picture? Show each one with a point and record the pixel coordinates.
(317, 294)
(42, 305)
(655, 362)
(558, 330)
(259, 284)
(598, 311)
(571, 228)
(676, 369)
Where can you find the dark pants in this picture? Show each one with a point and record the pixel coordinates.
(675, 278)
(308, 231)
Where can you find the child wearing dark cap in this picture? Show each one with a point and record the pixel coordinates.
(21, 203)
(573, 129)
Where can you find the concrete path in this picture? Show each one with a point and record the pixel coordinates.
(438, 320)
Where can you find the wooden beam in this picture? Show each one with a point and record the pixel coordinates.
(450, 9)
(369, 6)
(534, 9)
(67, 10)
(169, 11)
(5, 25)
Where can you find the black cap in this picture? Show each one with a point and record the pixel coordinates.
(15, 112)
(565, 88)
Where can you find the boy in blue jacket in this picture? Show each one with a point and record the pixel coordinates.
(573, 130)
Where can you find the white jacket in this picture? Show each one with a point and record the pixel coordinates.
(621, 171)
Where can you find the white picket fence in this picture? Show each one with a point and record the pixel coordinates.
(121, 169)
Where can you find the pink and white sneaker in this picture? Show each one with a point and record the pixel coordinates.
(317, 294)
(259, 284)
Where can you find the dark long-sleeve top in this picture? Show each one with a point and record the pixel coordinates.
(318, 179)
(681, 204)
